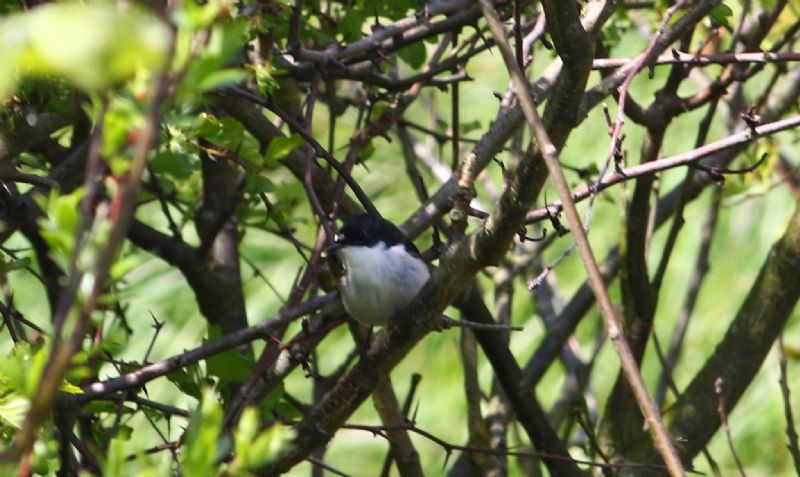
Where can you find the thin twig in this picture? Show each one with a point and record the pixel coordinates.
(24, 178)
(309, 138)
(688, 59)
(733, 141)
(120, 213)
(695, 283)
(630, 368)
(323, 465)
(149, 372)
(614, 151)
(449, 448)
(791, 431)
(723, 415)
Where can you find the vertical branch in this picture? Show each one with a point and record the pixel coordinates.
(740, 353)
(791, 431)
(555, 15)
(412, 391)
(695, 284)
(722, 409)
(92, 171)
(527, 409)
(456, 121)
(308, 178)
(499, 413)
(518, 35)
(407, 144)
(476, 428)
(402, 449)
(120, 213)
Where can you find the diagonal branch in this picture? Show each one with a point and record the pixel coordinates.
(139, 377)
(550, 154)
(734, 141)
(739, 355)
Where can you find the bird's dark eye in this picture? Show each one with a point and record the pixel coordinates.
(340, 237)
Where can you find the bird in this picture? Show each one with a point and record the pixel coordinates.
(383, 270)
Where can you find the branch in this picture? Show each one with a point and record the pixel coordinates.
(739, 355)
(526, 407)
(556, 14)
(24, 178)
(402, 449)
(791, 431)
(733, 141)
(34, 130)
(120, 213)
(150, 372)
(449, 448)
(688, 59)
(309, 138)
(596, 94)
(561, 329)
(458, 266)
(244, 111)
(695, 283)
(723, 415)
(491, 143)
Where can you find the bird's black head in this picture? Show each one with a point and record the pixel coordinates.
(367, 230)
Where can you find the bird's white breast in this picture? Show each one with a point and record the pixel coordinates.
(379, 281)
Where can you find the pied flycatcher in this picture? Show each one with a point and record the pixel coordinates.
(383, 270)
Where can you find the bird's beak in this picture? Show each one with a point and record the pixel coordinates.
(333, 247)
(336, 245)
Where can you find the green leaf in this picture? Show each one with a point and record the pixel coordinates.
(252, 449)
(470, 126)
(115, 338)
(229, 134)
(280, 147)
(267, 445)
(257, 184)
(268, 404)
(60, 223)
(23, 366)
(200, 449)
(202, 15)
(188, 380)
(289, 194)
(99, 407)
(220, 78)
(116, 457)
(92, 45)
(245, 433)
(265, 78)
(719, 15)
(125, 265)
(12, 409)
(414, 54)
(174, 164)
(70, 388)
(121, 123)
(8, 6)
(208, 69)
(350, 24)
(230, 365)
(367, 152)
(13, 264)
(290, 411)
